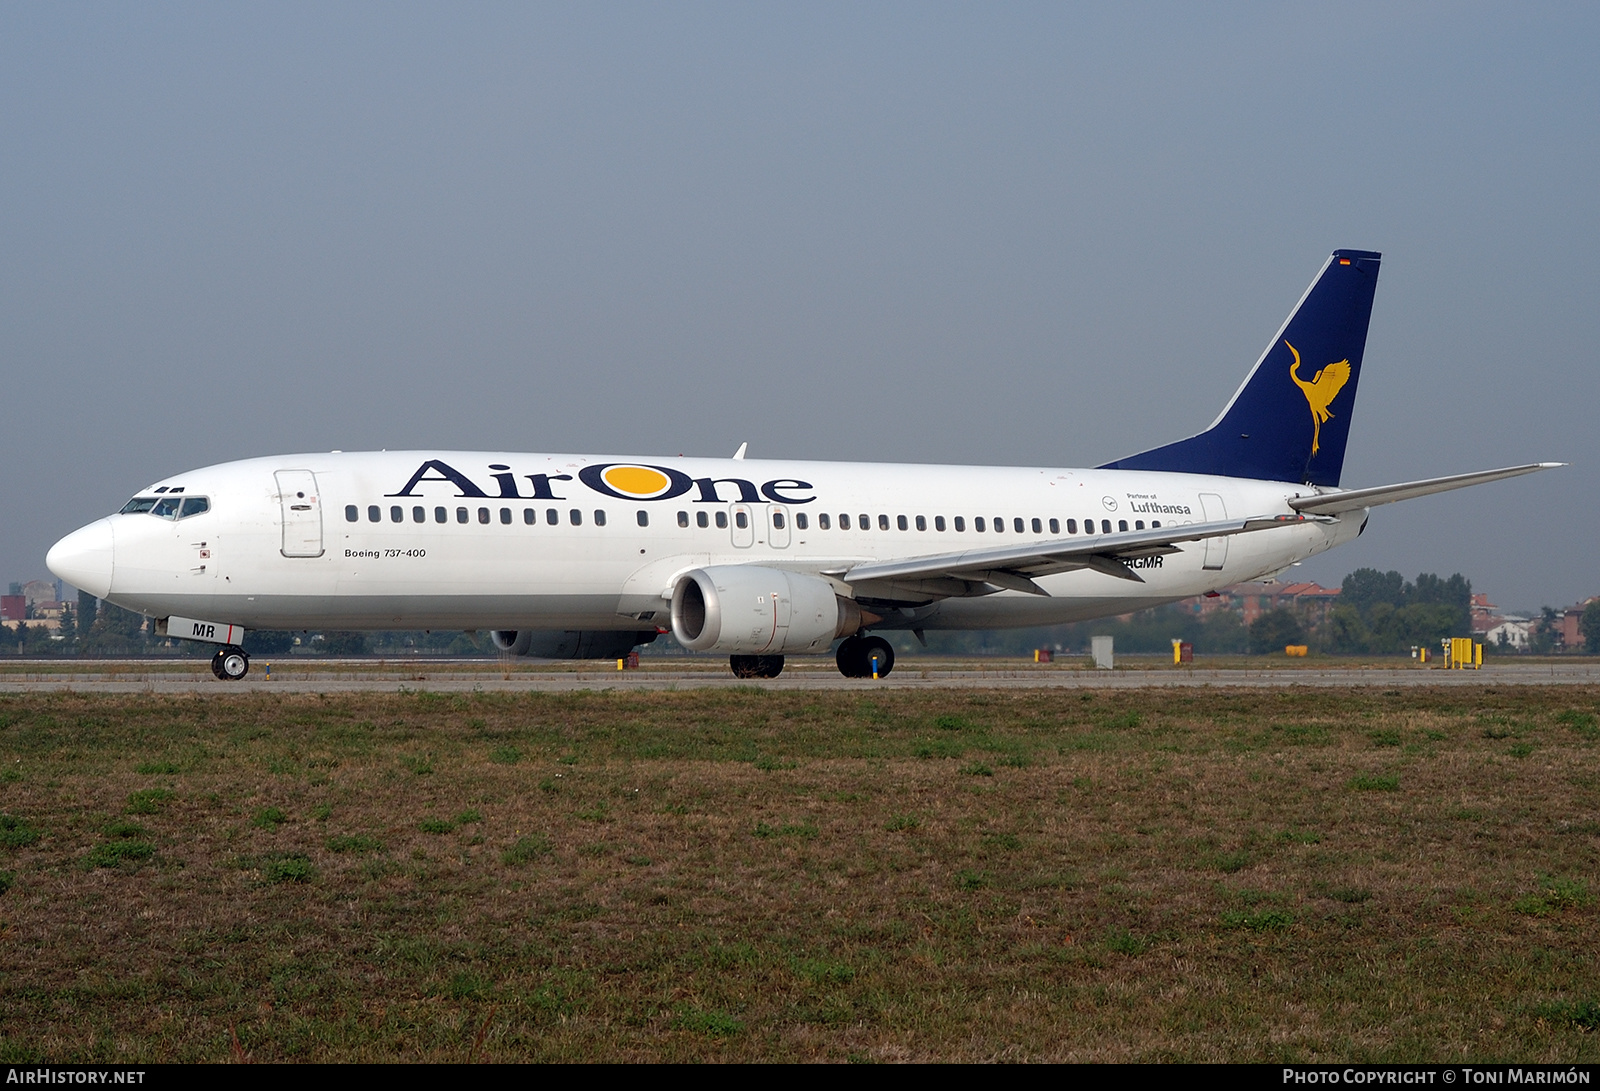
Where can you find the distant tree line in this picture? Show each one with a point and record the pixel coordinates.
(1380, 613)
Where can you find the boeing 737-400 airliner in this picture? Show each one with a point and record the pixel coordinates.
(581, 556)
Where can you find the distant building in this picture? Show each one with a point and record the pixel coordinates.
(37, 591)
(1568, 633)
(1309, 601)
(38, 602)
(1509, 633)
(1485, 614)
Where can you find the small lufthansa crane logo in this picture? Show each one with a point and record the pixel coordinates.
(1319, 392)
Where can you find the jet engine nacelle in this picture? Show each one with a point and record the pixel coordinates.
(556, 644)
(750, 610)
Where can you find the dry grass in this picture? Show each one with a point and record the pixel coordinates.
(743, 875)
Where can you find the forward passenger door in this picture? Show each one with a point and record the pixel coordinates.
(302, 513)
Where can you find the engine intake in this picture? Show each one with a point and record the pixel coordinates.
(751, 610)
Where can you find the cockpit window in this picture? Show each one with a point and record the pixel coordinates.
(167, 507)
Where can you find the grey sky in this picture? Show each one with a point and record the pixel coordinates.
(1030, 234)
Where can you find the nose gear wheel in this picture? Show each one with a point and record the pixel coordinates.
(230, 664)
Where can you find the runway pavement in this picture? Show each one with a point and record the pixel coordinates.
(353, 677)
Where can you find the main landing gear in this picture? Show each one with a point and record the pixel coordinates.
(865, 657)
(858, 657)
(230, 664)
(756, 666)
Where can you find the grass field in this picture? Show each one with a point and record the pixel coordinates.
(741, 875)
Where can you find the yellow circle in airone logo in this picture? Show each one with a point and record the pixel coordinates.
(640, 481)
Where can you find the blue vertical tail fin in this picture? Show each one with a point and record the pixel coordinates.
(1291, 418)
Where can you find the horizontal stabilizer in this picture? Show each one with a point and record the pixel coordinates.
(1333, 503)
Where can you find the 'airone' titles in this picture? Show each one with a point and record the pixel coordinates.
(621, 481)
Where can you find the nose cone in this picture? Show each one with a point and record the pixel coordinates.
(83, 558)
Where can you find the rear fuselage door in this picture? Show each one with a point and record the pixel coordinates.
(302, 513)
(1216, 548)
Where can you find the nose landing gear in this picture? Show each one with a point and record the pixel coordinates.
(230, 664)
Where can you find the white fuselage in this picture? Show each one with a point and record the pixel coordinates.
(542, 546)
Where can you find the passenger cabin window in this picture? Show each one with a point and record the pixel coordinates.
(1138, 524)
(1038, 528)
(961, 524)
(1155, 524)
(844, 520)
(483, 515)
(883, 522)
(141, 504)
(461, 515)
(999, 525)
(1105, 526)
(977, 524)
(823, 521)
(644, 518)
(722, 520)
(505, 516)
(922, 523)
(1072, 526)
(865, 522)
(1016, 525)
(440, 515)
(1055, 526)
(700, 519)
(352, 513)
(552, 516)
(683, 518)
(900, 521)
(800, 520)
(938, 522)
(419, 515)
(397, 514)
(374, 514)
(599, 518)
(1122, 525)
(529, 516)
(576, 516)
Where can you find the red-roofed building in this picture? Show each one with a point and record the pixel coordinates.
(1310, 601)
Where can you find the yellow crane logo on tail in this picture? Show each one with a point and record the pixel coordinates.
(1320, 391)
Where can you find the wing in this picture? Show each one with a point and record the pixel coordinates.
(985, 571)
(1332, 503)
